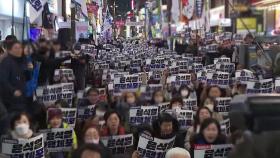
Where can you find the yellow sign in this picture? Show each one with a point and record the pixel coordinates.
(251, 23)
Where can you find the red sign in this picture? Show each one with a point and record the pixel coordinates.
(120, 23)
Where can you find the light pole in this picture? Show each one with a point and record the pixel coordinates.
(73, 23)
(13, 18)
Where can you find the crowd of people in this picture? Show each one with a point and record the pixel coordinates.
(27, 66)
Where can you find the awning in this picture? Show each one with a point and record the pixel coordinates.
(264, 4)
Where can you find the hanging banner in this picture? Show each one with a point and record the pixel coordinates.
(81, 30)
(199, 8)
(24, 148)
(36, 8)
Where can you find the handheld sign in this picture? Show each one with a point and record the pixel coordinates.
(212, 151)
(218, 78)
(184, 117)
(118, 144)
(143, 114)
(58, 139)
(262, 86)
(163, 106)
(50, 94)
(190, 104)
(225, 126)
(277, 85)
(85, 112)
(69, 116)
(24, 148)
(149, 147)
(223, 105)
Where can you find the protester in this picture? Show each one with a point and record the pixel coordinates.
(157, 97)
(92, 97)
(201, 114)
(176, 103)
(88, 151)
(13, 78)
(113, 124)
(91, 135)
(210, 133)
(166, 127)
(177, 153)
(21, 126)
(185, 92)
(55, 121)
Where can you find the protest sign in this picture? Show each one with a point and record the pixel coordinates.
(64, 75)
(201, 76)
(190, 104)
(221, 60)
(225, 126)
(127, 82)
(277, 85)
(261, 86)
(51, 93)
(225, 67)
(69, 116)
(24, 148)
(244, 75)
(197, 67)
(223, 105)
(85, 112)
(118, 144)
(58, 139)
(148, 90)
(149, 147)
(143, 114)
(218, 78)
(180, 79)
(184, 117)
(163, 106)
(212, 151)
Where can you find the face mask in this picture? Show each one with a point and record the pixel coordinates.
(131, 100)
(100, 113)
(92, 141)
(22, 129)
(159, 99)
(184, 93)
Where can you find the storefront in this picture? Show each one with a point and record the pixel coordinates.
(6, 9)
(271, 16)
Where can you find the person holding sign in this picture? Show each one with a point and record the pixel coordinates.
(157, 97)
(176, 103)
(166, 127)
(55, 120)
(88, 151)
(185, 92)
(92, 97)
(209, 134)
(113, 124)
(91, 135)
(20, 126)
(201, 114)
